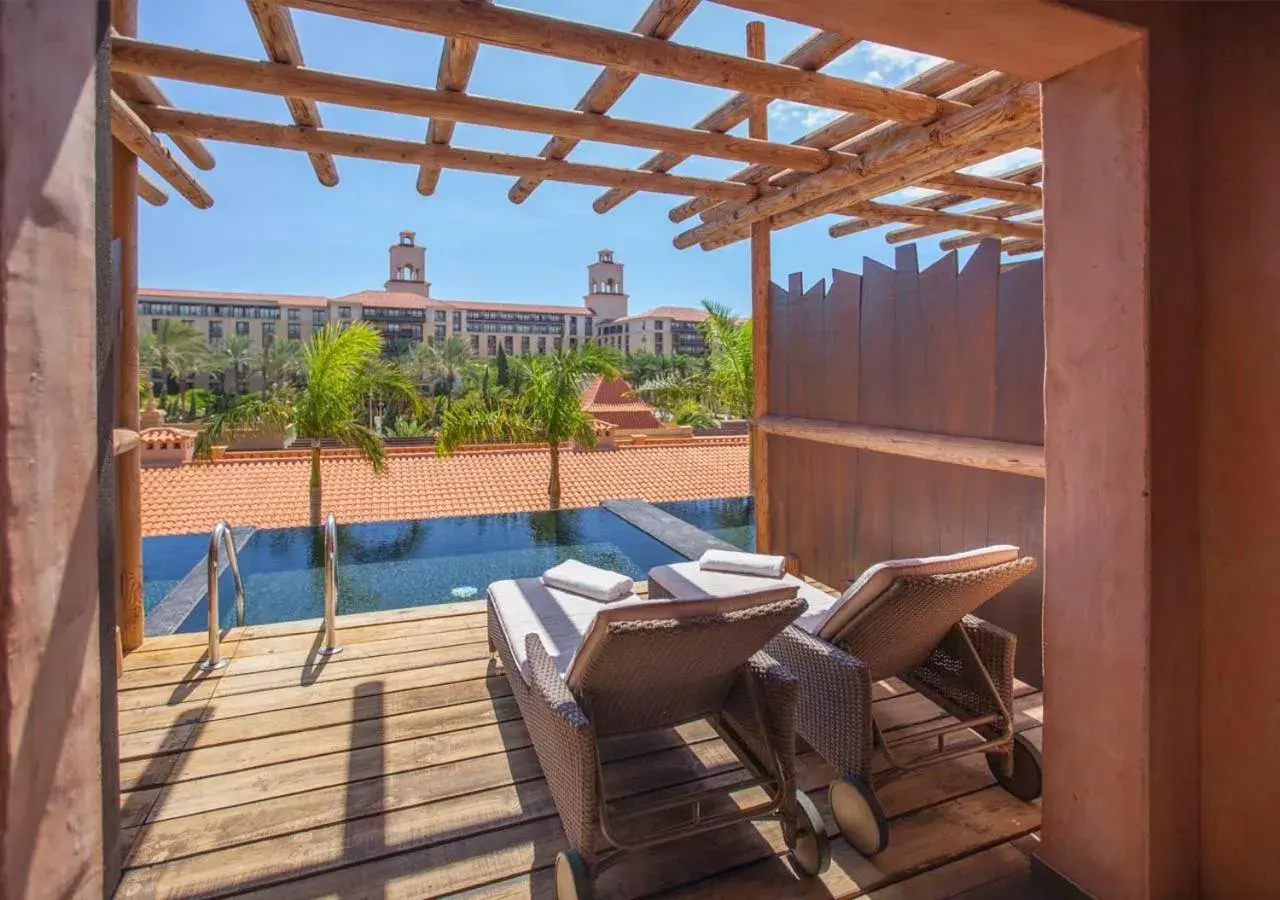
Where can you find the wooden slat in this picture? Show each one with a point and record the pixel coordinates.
(761, 288)
(916, 232)
(918, 154)
(132, 56)
(457, 59)
(660, 20)
(266, 134)
(999, 456)
(134, 134)
(1022, 245)
(280, 40)
(943, 221)
(151, 192)
(968, 240)
(811, 55)
(635, 53)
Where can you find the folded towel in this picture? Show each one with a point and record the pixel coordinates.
(588, 581)
(743, 563)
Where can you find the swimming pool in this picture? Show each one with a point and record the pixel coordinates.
(386, 565)
(731, 519)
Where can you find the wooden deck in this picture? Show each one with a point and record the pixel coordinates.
(400, 769)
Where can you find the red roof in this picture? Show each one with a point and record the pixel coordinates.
(678, 313)
(273, 493)
(612, 400)
(389, 299)
(230, 297)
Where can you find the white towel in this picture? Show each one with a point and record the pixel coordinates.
(743, 563)
(588, 581)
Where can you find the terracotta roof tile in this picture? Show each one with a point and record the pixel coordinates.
(273, 493)
(613, 400)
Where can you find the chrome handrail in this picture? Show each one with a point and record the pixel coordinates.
(221, 537)
(331, 645)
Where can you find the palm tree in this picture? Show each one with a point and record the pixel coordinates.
(444, 363)
(232, 358)
(342, 367)
(547, 408)
(174, 349)
(277, 362)
(731, 370)
(695, 415)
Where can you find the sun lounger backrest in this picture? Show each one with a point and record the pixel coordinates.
(661, 663)
(901, 626)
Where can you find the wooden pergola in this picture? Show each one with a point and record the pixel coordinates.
(919, 134)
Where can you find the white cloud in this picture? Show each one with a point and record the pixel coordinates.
(1005, 162)
(788, 114)
(882, 64)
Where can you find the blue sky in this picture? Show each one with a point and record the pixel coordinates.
(275, 228)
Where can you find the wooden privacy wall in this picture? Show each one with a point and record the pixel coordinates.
(939, 353)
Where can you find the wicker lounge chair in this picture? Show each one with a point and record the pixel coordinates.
(903, 618)
(583, 671)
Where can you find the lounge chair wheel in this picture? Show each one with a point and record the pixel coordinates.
(573, 881)
(858, 815)
(810, 852)
(1024, 783)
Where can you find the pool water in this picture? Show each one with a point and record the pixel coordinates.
(166, 561)
(731, 519)
(385, 565)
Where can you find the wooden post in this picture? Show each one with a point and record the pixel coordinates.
(758, 128)
(124, 234)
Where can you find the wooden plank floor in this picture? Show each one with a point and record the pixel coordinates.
(400, 769)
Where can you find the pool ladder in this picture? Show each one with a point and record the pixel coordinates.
(220, 538)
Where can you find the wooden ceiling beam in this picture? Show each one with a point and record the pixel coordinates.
(457, 59)
(812, 54)
(659, 21)
(280, 40)
(518, 30)
(141, 90)
(990, 188)
(134, 56)
(129, 129)
(919, 153)
(360, 146)
(937, 81)
(916, 232)
(1019, 246)
(945, 221)
(967, 240)
(150, 191)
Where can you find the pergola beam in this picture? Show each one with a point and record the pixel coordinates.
(968, 240)
(130, 130)
(916, 232)
(937, 81)
(919, 153)
(141, 90)
(549, 36)
(981, 186)
(945, 221)
(810, 55)
(360, 146)
(457, 59)
(1021, 246)
(132, 56)
(280, 40)
(660, 20)
(150, 191)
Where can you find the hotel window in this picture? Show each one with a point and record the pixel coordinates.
(155, 325)
(657, 343)
(573, 343)
(524, 344)
(588, 329)
(475, 343)
(190, 322)
(657, 326)
(268, 333)
(573, 324)
(508, 344)
(457, 321)
(295, 331)
(626, 345)
(344, 312)
(441, 315)
(491, 345)
(293, 315)
(215, 331)
(440, 332)
(242, 329)
(318, 317)
(559, 343)
(542, 345)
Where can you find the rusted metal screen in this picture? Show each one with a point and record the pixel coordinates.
(943, 352)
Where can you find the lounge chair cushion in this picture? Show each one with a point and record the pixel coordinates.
(560, 619)
(689, 581)
(877, 579)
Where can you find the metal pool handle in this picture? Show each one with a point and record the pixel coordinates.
(221, 537)
(331, 645)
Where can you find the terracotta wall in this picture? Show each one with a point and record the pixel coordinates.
(1163, 444)
(945, 351)
(50, 787)
(1238, 201)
